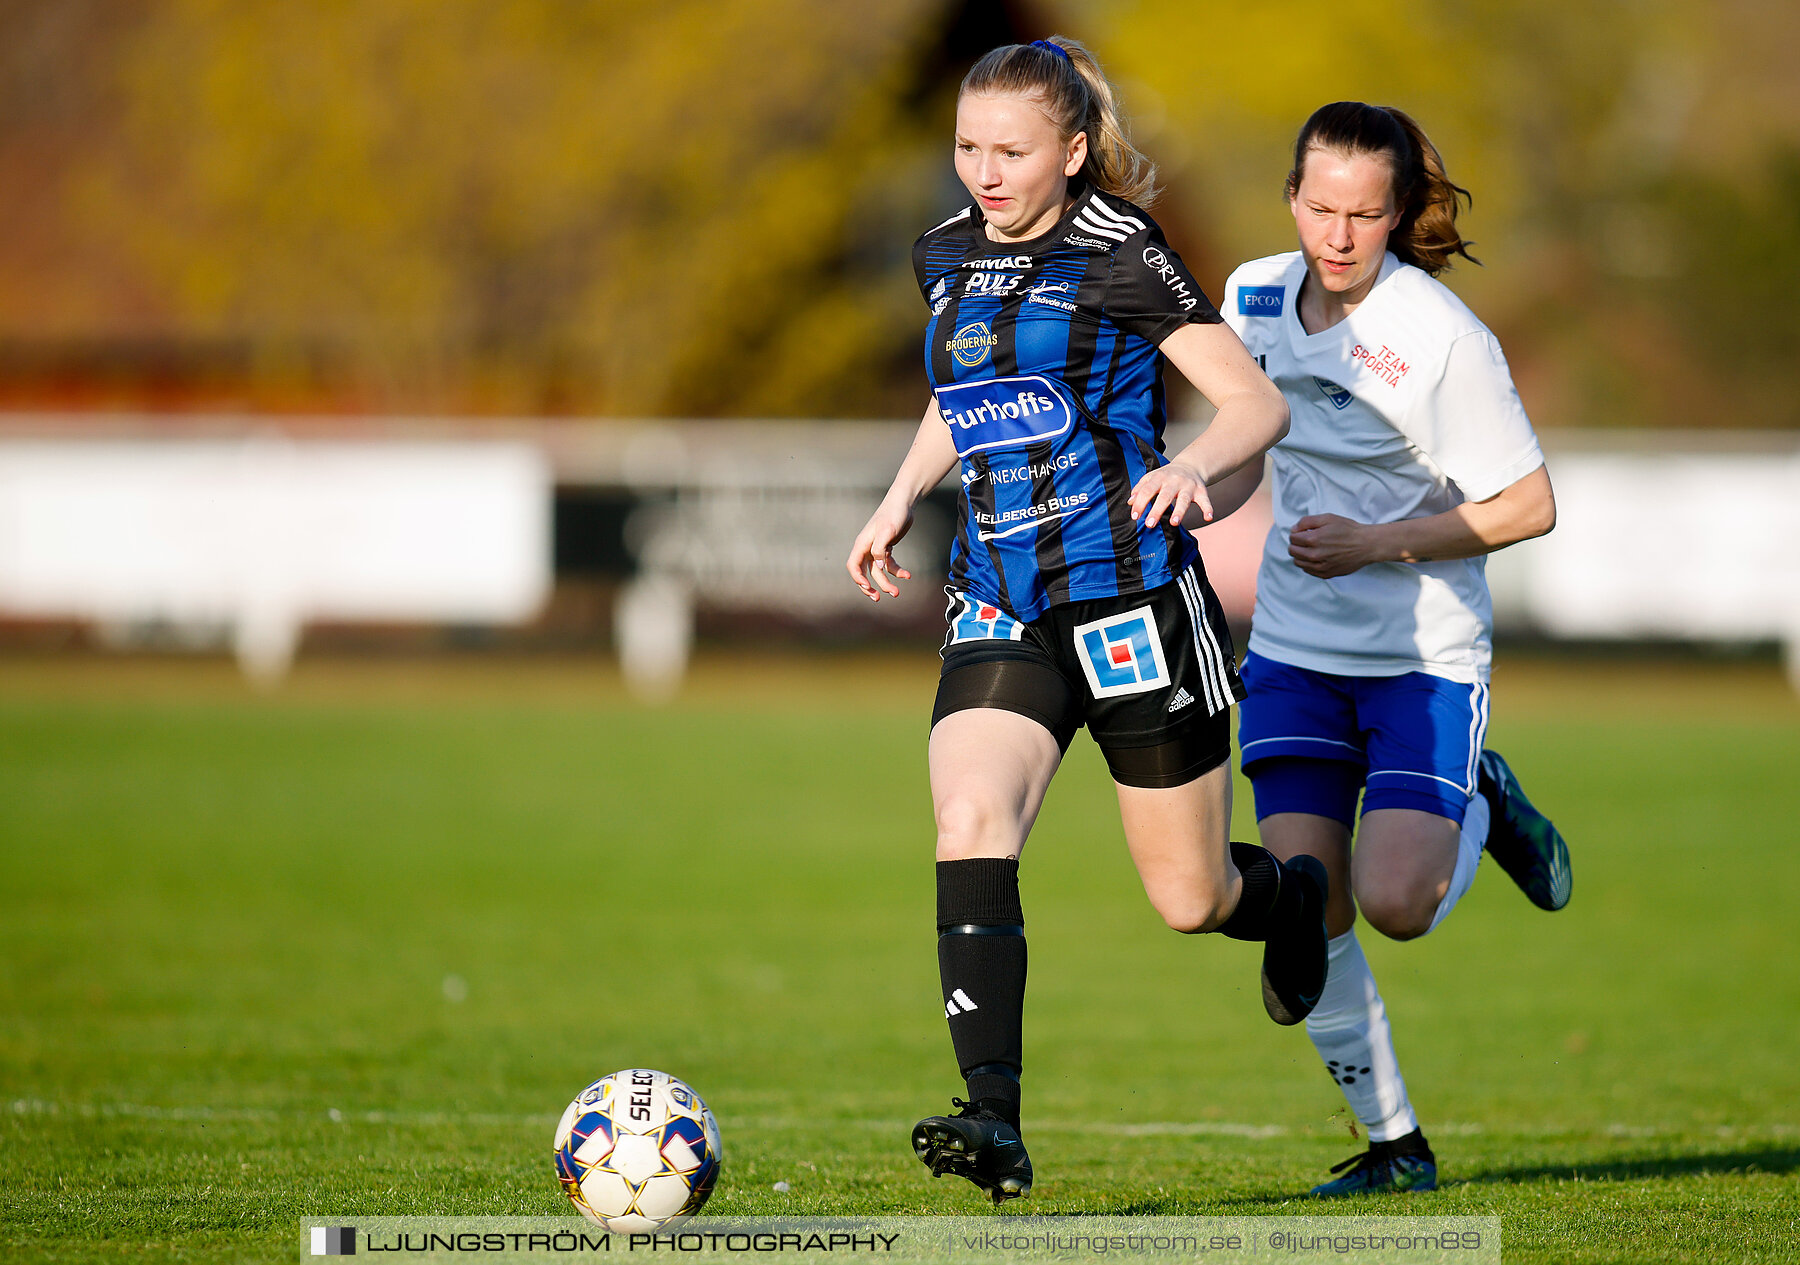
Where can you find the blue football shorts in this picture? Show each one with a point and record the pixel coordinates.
(1312, 741)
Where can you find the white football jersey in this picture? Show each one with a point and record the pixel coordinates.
(1404, 409)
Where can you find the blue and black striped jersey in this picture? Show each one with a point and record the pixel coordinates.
(1042, 355)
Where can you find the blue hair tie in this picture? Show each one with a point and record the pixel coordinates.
(1055, 48)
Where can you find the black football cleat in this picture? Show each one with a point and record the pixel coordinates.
(1296, 954)
(1528, 847)
(977, 1144)
(1404, 1164)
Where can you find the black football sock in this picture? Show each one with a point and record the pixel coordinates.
(1413, 1143)
(981, 963)
(1269, 897)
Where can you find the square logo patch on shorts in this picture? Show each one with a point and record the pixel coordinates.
(1122, 654)
(976, 620)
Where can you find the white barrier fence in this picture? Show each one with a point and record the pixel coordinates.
(748, 516)
(256, 537)
(1679, 546)
(1684, 538)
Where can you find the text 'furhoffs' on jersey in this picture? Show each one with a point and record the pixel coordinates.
(1011, 412)
(1043, 359)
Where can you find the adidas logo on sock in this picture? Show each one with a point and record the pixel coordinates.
(1182, 699)
(959, 1003)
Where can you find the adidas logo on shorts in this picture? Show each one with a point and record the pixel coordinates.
(1182, 699)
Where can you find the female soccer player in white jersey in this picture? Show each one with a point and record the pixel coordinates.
(1076, 598)
(1409, 459)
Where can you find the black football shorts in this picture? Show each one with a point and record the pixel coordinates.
(1152, 675)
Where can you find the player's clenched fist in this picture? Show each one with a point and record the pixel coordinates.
(1328, 545)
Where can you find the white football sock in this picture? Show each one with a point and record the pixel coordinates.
(1349, 1029)
(1468, 856)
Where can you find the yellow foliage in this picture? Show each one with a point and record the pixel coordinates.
(621, 200)
(704, 207)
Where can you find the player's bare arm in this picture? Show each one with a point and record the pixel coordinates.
(930, 458)
(1252, 416)
(1328, 545)
(1231, 492)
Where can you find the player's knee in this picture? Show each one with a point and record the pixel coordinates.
(1400, 926)
(973, 826)
(1190, 912)
(1195, 919)
(1398, 911)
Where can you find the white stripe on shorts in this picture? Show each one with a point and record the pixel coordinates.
(1206, 646)
(1194, 619)
(1244, 752)
(1478, 705)
(1429, 777)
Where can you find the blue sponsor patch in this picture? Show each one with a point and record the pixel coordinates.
(1339, 397)
(1004, 412)
(1122, 654)
(976, 620)
(1260, 300)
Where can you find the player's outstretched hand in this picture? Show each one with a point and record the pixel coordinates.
(1178, 488)
(871, 564)
(1327, 545)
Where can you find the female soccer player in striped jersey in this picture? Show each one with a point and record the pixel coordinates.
(1076, 597)
(1409, 460)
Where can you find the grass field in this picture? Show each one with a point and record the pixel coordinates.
(350, 948)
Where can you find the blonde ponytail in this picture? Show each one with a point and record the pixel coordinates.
(1061, 75)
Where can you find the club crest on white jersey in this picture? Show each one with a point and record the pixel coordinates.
(1339, 397)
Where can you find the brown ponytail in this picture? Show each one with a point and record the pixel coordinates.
(1426, 236)
(1067, 83)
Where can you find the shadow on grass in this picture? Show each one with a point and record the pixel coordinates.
(1770, 1160)
(1216, 1206)
(1629, 1169)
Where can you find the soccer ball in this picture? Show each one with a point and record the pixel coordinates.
(637, 1150)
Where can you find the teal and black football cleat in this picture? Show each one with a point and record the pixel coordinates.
(978, 1144)
(1525, 843)
(1404, 1164)
(1296, 956)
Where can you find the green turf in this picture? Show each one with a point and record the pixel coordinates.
(226, 925)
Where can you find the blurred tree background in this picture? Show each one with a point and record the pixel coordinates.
(684, 208)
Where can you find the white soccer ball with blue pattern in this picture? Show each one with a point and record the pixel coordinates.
(636, 1151)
